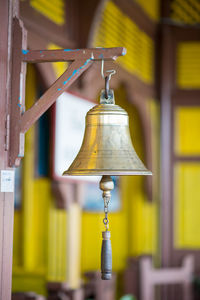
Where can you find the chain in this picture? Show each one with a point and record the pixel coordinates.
(105, 220)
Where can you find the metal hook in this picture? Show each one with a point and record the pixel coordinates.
(102, 66)
(112, 72)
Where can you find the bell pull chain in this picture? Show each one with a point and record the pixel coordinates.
(105, 220)
(106, 185)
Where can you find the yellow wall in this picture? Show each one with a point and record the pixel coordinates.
(151, 8)
(188, 64)
(187, 128)
(187, 191)
(54, 10)
(185, 12)
(187, 144)
(187, 177)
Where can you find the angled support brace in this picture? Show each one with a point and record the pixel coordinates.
(49, 97)
(21, 120)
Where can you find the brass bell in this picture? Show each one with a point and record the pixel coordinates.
(107, 148)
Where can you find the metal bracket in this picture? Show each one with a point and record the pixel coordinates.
(21, 120)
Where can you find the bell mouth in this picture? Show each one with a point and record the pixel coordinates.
(93, 172)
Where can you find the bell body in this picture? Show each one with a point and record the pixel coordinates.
(107, 148)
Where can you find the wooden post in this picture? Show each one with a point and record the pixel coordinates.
(167, 73)
(6, 199)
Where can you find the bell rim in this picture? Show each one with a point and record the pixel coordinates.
(106, 172)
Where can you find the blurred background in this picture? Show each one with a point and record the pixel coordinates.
(154, 222)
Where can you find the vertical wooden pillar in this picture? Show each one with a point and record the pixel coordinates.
(6, 199)
(165, 81)
(166, 216)
(167, 74)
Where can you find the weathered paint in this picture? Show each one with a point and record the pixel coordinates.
(77, 70)
(68, 50)
(124, 52)
(25, 51)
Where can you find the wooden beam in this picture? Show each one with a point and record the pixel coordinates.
(186, 159)
(186, 33)
(183, 97)
(95, 54)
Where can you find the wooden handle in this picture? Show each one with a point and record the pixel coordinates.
(106, 256)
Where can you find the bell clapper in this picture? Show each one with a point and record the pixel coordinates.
(106, 185)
